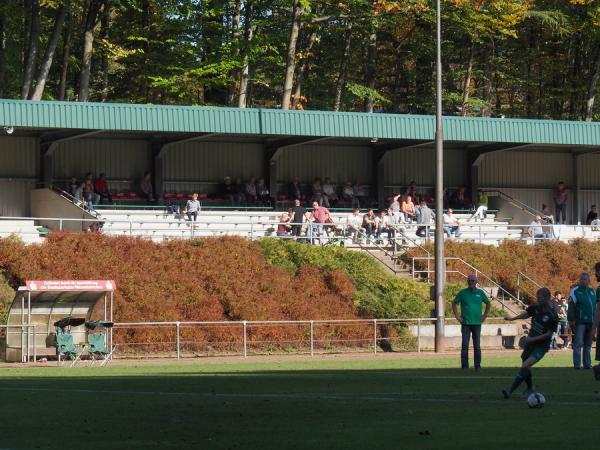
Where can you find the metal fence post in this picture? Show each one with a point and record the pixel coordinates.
(251, 230)
(312, 338)
(130, 228)
(245, 339)
(375, 336)
(60, 224)
(177, 339)
(418, 335)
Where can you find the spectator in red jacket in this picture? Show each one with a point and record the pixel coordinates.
(101, 189)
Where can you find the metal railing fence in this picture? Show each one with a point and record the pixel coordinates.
(179, 339)
(485, 232)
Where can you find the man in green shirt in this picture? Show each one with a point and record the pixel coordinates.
(470, 318)
(581, 315)
(482, 208)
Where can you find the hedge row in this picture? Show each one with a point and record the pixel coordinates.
(556, 265)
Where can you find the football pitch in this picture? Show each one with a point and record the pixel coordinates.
(381, 403)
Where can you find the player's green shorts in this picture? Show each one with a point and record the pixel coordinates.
(535, 351)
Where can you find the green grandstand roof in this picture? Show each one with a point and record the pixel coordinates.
(269, 122)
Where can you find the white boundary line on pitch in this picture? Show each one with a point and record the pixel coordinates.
(383, 396)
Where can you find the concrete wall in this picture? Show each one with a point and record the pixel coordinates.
(47, 203)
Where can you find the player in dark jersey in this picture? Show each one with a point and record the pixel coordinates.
(544, 320)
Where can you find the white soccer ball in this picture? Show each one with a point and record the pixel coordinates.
(536, 400)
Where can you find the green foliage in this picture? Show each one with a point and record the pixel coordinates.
(192, 52)
(377, 294)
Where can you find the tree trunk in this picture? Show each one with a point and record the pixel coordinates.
(592, 88)
(488, 82)
(339, 85)
(64, 70)
(104, 28)
(467, 82)
(303, 68)
(88, 49)
(2, 53)
(234, 74)
(49, 55)
(370, 67)
(290, 66)
(575, 75)
(31, 57)
(245, 73)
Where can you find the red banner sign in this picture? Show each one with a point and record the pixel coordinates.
(70, 285)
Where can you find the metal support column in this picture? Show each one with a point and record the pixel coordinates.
(439, 194)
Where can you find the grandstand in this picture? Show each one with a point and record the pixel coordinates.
(188, 149)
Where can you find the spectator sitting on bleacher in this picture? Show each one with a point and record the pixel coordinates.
(411, 190)
(146, 187)
(263, 192)
(536, 230)
(384, 225)
(482, 208)
(239, 190)
(592, 217)
(228, 190)
(78, 195)
(426, 216)
(88, 191)
(295, 190)
(353, 224)
(73, 185)
(192, 207)
(369, 224)
(408, 209)
(283, 227)
(547, 218)
(451, 224)
(330, 197)
(251, 195)
(395, 207)
(348, 195)
(101, 189)
(317, 193)
(458, 199)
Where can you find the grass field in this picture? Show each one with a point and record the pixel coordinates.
(383, 403)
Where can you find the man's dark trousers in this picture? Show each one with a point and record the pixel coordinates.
(468, 331)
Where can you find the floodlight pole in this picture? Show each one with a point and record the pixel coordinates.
(440, 272)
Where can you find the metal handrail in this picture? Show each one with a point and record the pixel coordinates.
(520, 276)
(479, 274)
(519, 204)
(73, 200)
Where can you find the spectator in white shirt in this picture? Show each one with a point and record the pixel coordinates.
(192, 207)
(536, 230)
(451, 224)
(384, 224)
(353, 224)
(329, 196)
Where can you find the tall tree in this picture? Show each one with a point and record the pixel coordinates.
(91, 20)
(32, 48)
(44, 69)
(290, 65)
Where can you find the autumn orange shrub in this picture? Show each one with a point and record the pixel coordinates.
(213, 279)
(556, 265)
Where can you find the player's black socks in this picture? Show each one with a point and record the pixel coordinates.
(523, 375)
(529, 380)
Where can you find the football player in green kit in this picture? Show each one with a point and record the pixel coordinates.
(544, 320)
